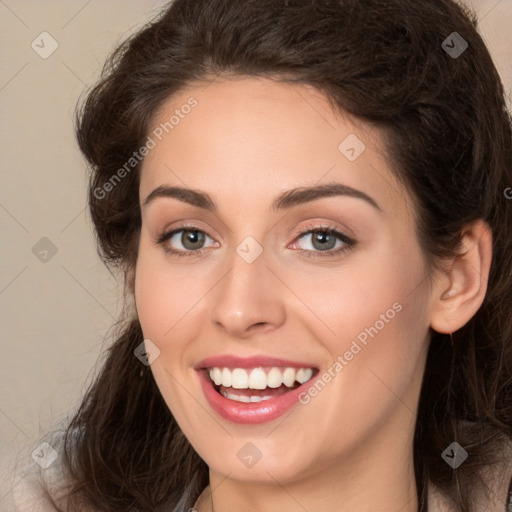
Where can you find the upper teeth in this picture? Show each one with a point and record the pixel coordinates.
(257, 378)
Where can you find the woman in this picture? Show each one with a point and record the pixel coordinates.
(308, 203)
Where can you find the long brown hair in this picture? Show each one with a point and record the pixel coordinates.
(449, 137)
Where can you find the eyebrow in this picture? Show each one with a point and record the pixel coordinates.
(285, 200)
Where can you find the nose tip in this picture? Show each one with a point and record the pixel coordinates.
(246, 302)
(240, 325)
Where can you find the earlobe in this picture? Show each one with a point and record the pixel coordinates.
(129, 277)
(458, 295)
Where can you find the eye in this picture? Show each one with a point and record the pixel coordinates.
(323, 242)
(312, 242)
(185, 240)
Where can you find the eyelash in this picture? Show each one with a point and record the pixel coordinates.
(349, 242)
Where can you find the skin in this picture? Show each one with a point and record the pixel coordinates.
(350, 447)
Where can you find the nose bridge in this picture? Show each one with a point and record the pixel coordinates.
(246, 297)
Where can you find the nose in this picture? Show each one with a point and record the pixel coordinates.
(248, 299)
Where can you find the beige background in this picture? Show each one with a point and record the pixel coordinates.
(55, 314)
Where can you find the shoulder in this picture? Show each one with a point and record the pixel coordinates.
(26, 486)
(495, 493)
(34, 481)
(498, 480)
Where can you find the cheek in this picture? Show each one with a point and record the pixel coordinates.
(383, 354)
(382, 370)
(165, 298)
(373, 315)
(165, 310)
(383, 288)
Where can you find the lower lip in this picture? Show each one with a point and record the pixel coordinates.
(250, 413)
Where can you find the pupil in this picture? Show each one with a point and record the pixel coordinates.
(322, 237)
(195, 238)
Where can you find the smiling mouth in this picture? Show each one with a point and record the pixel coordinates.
(257, 384)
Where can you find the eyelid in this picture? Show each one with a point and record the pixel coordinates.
(321, 226)
(347, 241)
(168, 233)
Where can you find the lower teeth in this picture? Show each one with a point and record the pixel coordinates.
(230, 394)
(243, 398)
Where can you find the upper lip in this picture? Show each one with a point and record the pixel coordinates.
(230, 361)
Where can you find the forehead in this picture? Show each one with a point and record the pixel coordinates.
(255, 136)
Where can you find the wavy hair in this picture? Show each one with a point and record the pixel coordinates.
(449, 137)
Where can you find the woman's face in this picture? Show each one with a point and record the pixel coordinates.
(294, 251)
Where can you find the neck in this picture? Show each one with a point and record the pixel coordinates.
(379, 478)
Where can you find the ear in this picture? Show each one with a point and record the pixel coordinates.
(129, 277)
(460, 289)
(129, 280)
